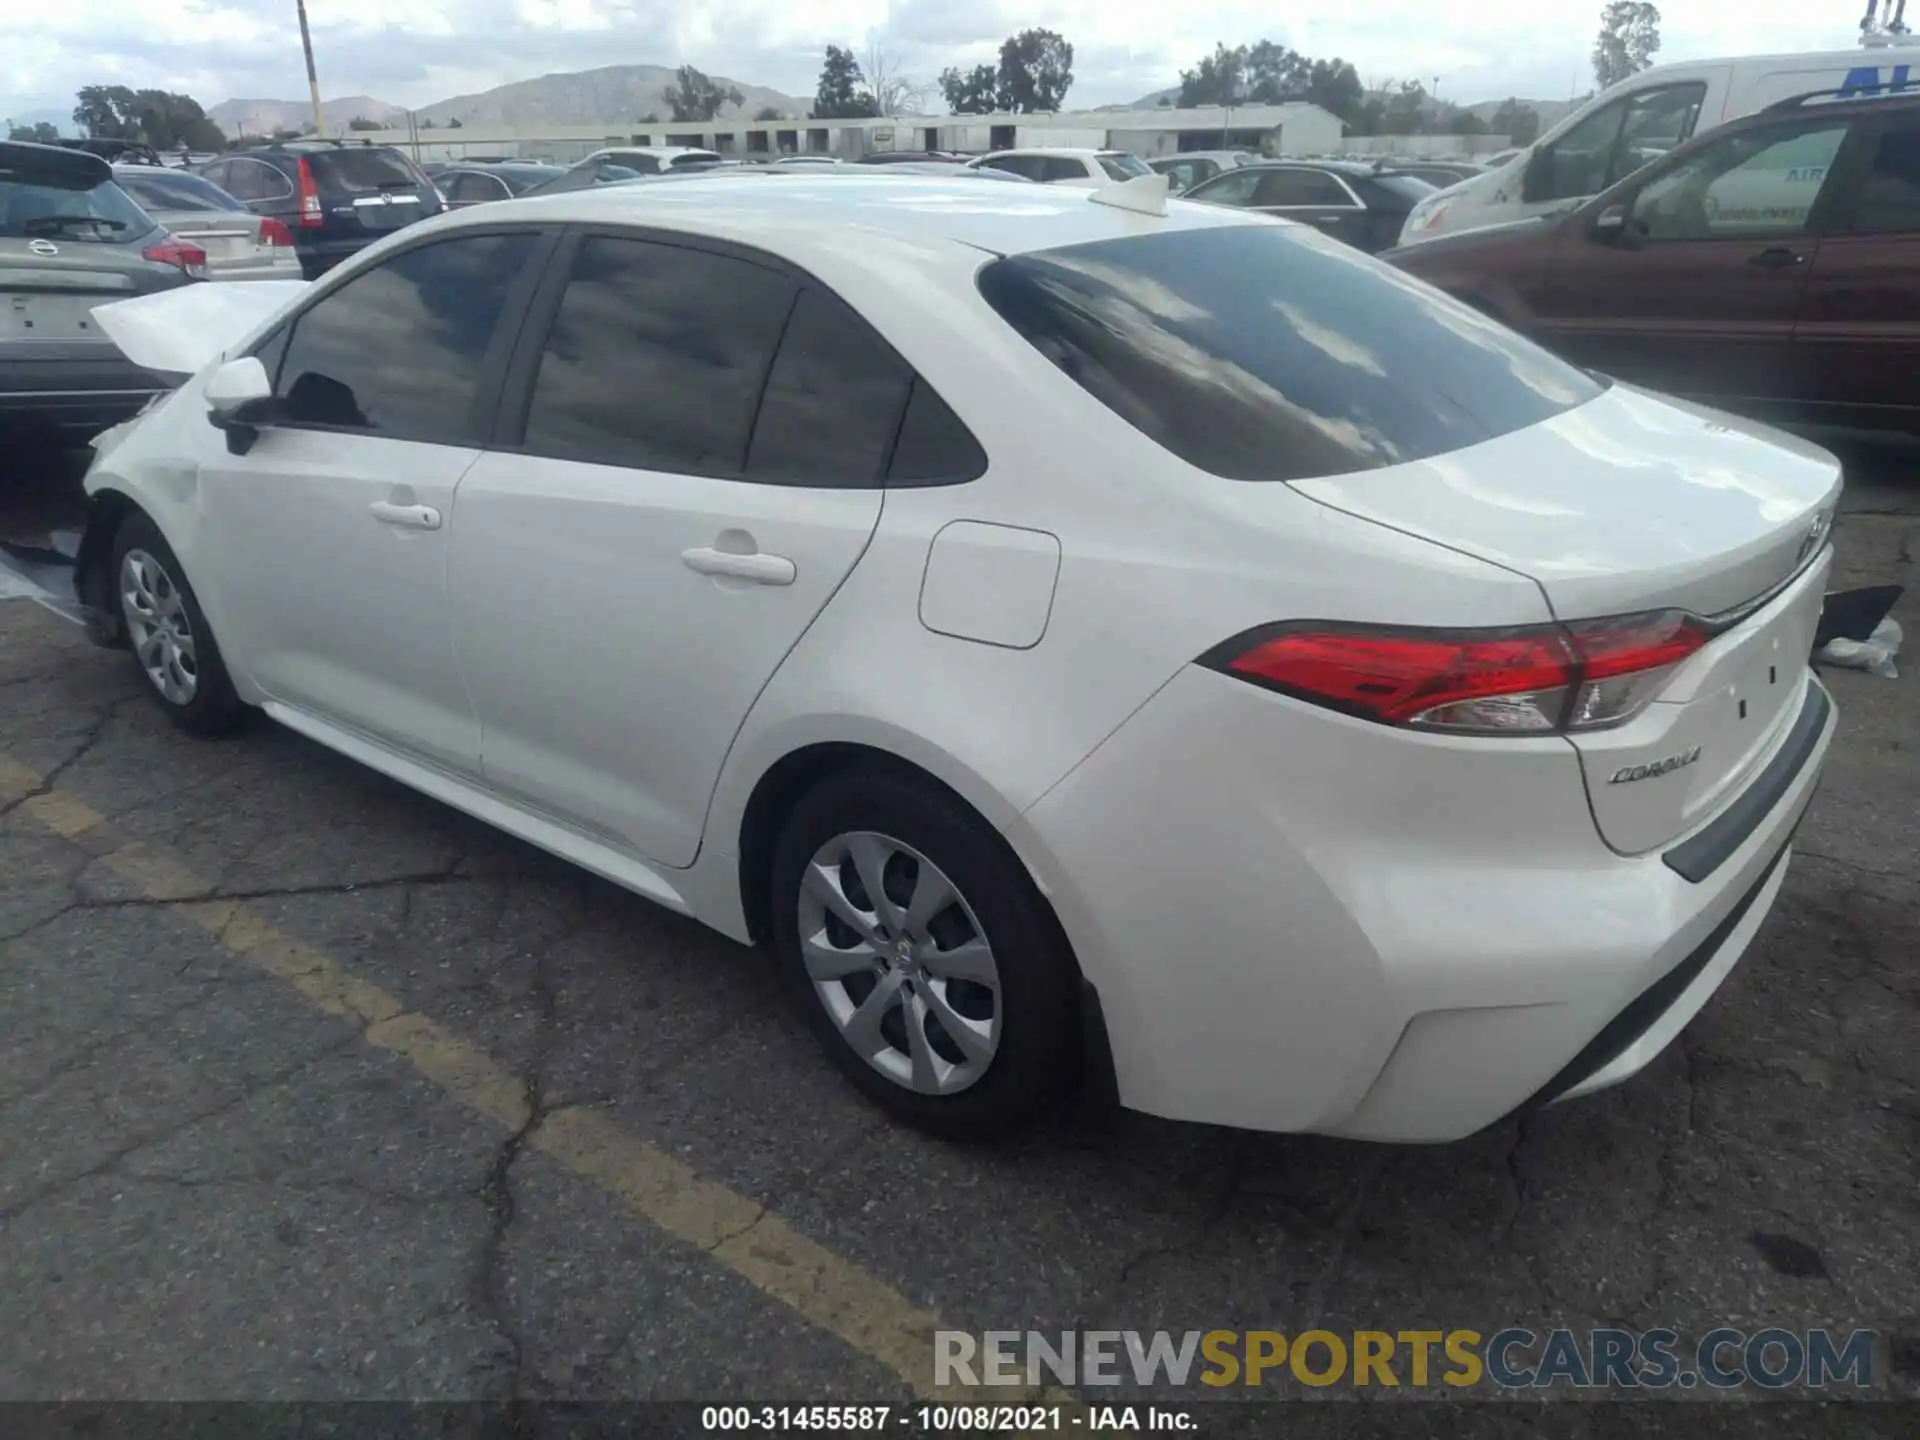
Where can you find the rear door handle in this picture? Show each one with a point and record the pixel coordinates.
(412, 517)
(1777, 258)
(760, 568)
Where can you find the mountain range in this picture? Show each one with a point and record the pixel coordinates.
(610, 94)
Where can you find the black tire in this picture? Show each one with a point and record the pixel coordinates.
(213, 708)
(1037, 1055)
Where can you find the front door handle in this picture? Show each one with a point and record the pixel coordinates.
(1777, 258)
(412, 517)
(758, 567)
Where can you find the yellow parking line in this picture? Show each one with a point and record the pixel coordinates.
(740, 1233)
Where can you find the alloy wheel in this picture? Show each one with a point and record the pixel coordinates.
(900, 961)
(158, 626)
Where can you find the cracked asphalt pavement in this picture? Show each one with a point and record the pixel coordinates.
(309, 1088)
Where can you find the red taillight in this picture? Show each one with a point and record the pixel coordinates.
(272, 232)
(1530, 680)
(171, 251)
(310, 216)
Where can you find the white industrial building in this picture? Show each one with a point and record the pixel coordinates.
(1289, 129)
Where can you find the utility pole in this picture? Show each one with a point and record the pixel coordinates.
(313, 80)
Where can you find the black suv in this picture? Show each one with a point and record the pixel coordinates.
(335, 197)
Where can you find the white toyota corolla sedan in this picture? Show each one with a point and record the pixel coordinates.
(1079, 634)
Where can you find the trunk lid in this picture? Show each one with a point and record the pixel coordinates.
(181, 330)
(1634, 503)
(376, 187)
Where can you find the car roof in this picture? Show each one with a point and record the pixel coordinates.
(1194, 155)
(659, 152)
(803, 214)
(1081, 151)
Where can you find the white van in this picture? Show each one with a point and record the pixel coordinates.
(1629, 124)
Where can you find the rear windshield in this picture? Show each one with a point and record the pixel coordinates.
(30, 209)
(179, 192)
(362, 170)
(1124, 167)
(1270, 352)
(1408, 187)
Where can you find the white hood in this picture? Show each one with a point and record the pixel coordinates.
(179, 331)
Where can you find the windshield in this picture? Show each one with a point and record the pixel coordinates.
(180, 193)
(31, 210)
(1124, 167)
(362, 170)
(1266, 352)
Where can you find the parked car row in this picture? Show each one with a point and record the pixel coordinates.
(1770, 266)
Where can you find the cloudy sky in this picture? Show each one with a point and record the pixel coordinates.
(411, 52)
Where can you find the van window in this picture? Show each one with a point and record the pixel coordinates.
(1614, 141)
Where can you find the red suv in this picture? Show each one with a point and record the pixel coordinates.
(1771, 265)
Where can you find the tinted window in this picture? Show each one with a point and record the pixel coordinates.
(833, 401)
(175, 191)
(1274, 353)
(56, 203)
(398, 350)
(1059, 167)
(1757, 182)
(1027, 165)
(1234, 188)
(1890, 194)
(253, 180)
(472, 189)
(934, 447)
(1300, 187)
(656, 358)
(1406, 187)
(361, 171)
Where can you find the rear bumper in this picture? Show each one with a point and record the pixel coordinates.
(79, 396)
(1298, 921)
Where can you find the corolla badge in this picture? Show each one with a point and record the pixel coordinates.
(1654, 768)
(44, 247)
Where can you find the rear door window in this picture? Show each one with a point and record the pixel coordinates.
(1296, 189)
(832, 404)
(1060, 167)
(1263, 352)
(656, 358)
(1751, 184)
(1027, 165)
(1236, 187)
(1888, 201)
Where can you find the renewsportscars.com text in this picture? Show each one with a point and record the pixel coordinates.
(1512, 1358)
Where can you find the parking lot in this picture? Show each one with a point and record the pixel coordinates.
(316, 1089)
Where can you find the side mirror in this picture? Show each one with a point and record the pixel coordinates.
(1533, 179)
(237, 383)
(1614, 226)
(238, 396)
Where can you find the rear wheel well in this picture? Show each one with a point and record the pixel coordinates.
(780, 790)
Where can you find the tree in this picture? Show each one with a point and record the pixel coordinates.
(360, 122)
(765, 112)
(969, 92)
(841, 93)
(652, 117)
(1629, 36)
(160, 118)
(696, 98)
(40, 132)
(894, 93)
(1464, 122)
(1036, 71)
(286, 134)
(454, 123)
(1334, 85)
(1216, 80)
(1519, 123)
